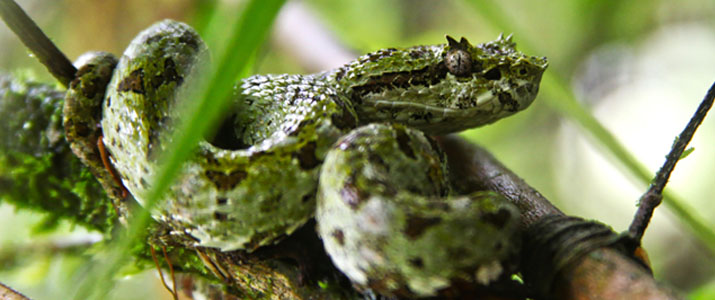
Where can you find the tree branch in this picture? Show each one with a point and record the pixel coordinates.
(37, 168)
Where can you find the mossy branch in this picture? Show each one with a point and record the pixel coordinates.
(37, 168)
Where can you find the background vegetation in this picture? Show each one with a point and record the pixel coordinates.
(639, 67)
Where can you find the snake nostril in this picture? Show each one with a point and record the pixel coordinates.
(493, 74)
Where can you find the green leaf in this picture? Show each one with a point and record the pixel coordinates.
(687, 152)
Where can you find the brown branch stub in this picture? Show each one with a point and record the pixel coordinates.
(654, 196)
(44, 49)
(7, 293)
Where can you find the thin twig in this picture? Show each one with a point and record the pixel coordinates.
(654, 196)
(171, 270)
(49, 55)
(161, 274)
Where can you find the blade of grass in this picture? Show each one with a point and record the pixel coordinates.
(562, 99)
(247, 35)
(204, 10)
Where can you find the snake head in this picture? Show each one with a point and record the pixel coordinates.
(443, 88)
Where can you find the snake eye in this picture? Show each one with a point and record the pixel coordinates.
(458, 62)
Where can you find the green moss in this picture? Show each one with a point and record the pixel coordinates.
(37, 169)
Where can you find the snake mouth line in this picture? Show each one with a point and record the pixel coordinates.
(482, 104)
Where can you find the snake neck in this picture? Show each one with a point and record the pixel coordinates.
(271, 109)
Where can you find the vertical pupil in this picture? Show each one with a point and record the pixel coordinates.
(459, 62)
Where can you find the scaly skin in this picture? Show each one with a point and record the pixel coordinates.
(391, 224)
(261, 184)
(82, 113)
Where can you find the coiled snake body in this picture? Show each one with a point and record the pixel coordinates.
(351, 139)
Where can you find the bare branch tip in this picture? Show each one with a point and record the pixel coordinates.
(654, 195)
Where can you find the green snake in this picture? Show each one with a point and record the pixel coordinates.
(347, 146)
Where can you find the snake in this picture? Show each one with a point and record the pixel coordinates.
(350, 147)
